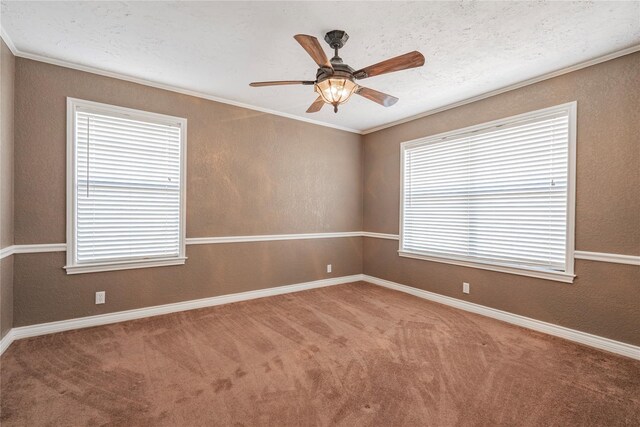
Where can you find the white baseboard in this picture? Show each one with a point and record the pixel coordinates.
(6, 341)
(601, 343)
(121, 316)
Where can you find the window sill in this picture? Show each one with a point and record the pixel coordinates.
(123, 265)
(502, 268)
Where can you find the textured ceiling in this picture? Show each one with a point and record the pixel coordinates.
(218, 48)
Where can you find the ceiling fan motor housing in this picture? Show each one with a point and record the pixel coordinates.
(339, 71)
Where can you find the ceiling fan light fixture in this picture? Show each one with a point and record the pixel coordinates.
(335, 80)
(335, 90)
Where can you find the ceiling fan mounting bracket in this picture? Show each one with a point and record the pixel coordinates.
(336, 38)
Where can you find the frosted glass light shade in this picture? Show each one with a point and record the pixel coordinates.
(335, 90)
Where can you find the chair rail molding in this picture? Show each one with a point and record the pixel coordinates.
(62, 247)
(605, 257)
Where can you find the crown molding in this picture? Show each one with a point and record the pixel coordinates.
(547, 76)
(176, 89)
(8, 41)
(158, 85)
(119, 76)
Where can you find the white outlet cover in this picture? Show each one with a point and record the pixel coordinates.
(465, 287)
(328, 268)
(100, 297)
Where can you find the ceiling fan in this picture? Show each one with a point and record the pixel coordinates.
(335, 81)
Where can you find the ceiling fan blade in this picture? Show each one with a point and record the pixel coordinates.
(403, 62)
(375, 96)
(316, 106)
(282, 82)
(313, 48)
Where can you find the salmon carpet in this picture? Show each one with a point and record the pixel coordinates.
(350, 355)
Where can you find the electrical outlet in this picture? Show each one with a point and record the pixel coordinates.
(100, 297)
(465, 287)
(328, 268)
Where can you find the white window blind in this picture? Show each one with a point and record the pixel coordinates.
(127, 187)
(497, 194)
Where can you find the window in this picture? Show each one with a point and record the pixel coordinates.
(125, 188)
(497, 196)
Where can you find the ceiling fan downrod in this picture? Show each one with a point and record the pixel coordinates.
(336, 40)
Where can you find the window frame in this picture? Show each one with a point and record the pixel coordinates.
(72, 266)
(566, 276)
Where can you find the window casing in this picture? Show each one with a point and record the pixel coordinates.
(126, 174)
(497, 196)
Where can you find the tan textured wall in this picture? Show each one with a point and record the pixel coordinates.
(6, 295)
(247, 173)
(7, 78)
(7, 75)
(604, 299)
(253, 173)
